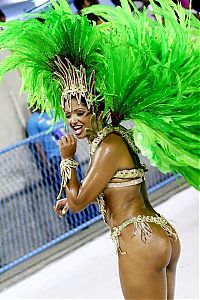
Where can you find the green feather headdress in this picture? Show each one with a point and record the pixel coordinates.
(35, 48)
(145, 70)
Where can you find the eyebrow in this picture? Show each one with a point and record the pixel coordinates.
(69, 112)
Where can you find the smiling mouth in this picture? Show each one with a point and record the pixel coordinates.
(78, 129)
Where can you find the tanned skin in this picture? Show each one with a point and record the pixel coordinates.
(148, 270)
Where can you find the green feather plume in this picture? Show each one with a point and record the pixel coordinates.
(34, 46)
(154, 81)
(146, 70)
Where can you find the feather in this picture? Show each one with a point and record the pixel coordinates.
(155, 82)
(148, 70)
(34, 46)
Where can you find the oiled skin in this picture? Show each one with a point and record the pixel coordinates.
(144, 270)
(148, 270)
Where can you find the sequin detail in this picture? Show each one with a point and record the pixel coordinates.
(126, 134)
(124, 183)
(102, 206)
(132, 173)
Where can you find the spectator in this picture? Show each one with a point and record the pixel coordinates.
(2, 18)
(47, 147)
(140, 4)
(47, 155)
(196, 5)
(80, 4)
(116, 2)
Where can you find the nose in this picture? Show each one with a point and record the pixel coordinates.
(73, 120)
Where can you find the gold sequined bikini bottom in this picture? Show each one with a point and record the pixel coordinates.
(140, 224)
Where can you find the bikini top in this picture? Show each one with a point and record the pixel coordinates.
(136, 175)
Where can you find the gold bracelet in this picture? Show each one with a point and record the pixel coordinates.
(66, 166)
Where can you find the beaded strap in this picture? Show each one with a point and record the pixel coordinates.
(102, 206)
(125, 133)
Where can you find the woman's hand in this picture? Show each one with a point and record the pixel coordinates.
(61, 207)
(67, 146)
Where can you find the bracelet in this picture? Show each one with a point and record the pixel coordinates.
(66, 166)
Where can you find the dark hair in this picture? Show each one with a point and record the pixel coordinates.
(80, 3)
(196, 5)
(2, 16)
(116, 2)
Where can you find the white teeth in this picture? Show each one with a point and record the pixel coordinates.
(77, 129)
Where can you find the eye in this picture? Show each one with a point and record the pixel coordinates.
(80, 113)
(67, 116)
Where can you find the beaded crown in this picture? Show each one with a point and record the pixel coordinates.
(74, 83)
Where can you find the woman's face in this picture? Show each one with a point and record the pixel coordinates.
(78, 118)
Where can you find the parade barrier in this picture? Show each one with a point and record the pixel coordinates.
(29, 185)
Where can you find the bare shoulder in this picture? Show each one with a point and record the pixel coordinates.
(113, 151)
(113, 140)
(113, 143)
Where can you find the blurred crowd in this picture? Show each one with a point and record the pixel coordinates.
(2, 17)
(80, 4)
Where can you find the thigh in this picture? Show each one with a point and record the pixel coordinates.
(146, 284)
(143, 270)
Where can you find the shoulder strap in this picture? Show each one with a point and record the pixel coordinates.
(126, 134)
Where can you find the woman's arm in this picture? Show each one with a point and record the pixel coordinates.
(103, 165)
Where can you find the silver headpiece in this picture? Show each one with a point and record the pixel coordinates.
(74, 83)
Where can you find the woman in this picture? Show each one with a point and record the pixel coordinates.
(154, 241)
(128, 68)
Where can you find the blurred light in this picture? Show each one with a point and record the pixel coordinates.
(39, 2)
(10, 2)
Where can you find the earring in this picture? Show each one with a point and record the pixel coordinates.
(95, 125)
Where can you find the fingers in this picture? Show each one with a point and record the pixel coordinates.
(67, 138)
(64, 140)
(67, 145)
(61, 207)
(65, 209)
